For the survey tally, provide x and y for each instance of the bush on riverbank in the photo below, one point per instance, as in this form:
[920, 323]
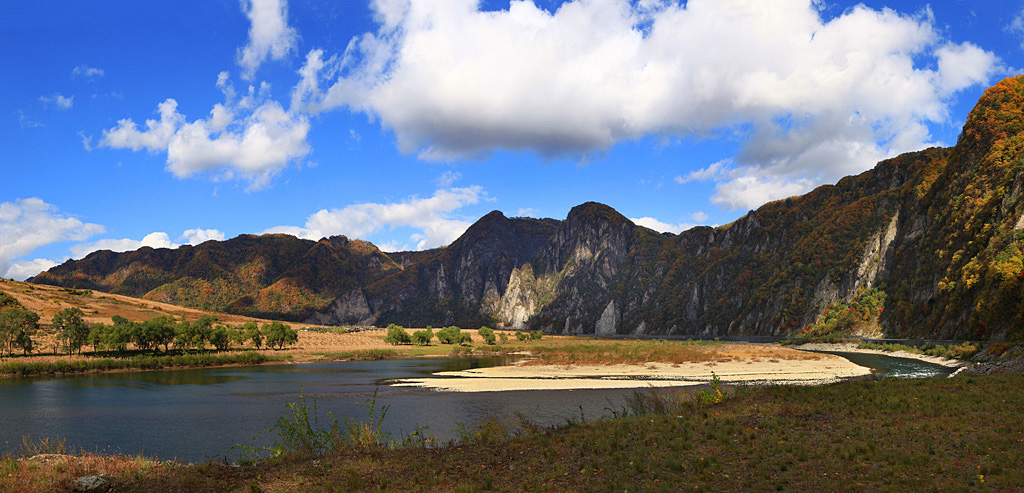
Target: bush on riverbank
[140, 362]
[952, 351]
[397, 335]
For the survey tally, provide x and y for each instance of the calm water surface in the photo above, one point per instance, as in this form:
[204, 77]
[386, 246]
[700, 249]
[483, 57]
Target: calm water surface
[193, 415]
[197, 414]
[892, 366]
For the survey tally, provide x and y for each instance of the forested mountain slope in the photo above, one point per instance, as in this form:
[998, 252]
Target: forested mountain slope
[932, 241]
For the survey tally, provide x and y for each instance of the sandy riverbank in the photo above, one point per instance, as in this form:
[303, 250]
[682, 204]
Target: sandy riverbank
[852, 348]
[823, 370]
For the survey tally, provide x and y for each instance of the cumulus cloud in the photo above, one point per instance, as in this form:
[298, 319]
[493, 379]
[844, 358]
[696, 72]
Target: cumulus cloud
[661, 227]
[750, 192]
[158, 239]
[27, 224]
[154, 240]
[197, 236]
[155, 137]
[24, 269]
[251, 137]
[432, 217]
[58, 100]
[87, 72]
[269, 34]
[812, 98]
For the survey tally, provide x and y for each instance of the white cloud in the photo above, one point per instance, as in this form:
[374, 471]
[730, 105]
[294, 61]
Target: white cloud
[87, 72]
[24, 269]
[713, 171]
[269, 34]
[393, 246]
[962, 66]
[27, 224]
[750, 192]
[431, 217]
[154, 138]
[661, 227]
[699, 216]
[1016, 26]
[26, 122]
[154, 240]
[253, 138]
[86, 141]
[527, 212]
[448, 178]
[453, 81]
[197, 236]
[61, 102]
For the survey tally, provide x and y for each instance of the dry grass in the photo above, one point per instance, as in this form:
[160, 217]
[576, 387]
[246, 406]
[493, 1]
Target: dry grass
[55, 472]
[577, 351]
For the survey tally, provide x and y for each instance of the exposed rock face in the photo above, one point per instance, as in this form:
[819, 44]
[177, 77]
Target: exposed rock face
[939, 230]
[348, 309]
[520, 300]
[609, 320]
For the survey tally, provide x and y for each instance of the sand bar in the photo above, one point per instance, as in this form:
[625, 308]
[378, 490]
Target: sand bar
[826, 369]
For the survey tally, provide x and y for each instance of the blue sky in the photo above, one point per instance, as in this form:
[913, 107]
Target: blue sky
[401, 122]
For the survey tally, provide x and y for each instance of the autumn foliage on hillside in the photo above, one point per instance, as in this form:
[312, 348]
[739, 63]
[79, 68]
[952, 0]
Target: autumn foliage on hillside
[937, 234]
[968, 267]
[276, 275]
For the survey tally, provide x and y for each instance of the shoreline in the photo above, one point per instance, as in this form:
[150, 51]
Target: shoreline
[853, 348]
[519, 376]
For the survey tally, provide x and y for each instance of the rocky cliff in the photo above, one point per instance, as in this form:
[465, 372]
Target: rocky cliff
[940, 232]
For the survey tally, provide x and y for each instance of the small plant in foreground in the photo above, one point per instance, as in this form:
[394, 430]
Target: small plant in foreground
[707, 397]
[46, 445]
[652, 401]
[300, 434]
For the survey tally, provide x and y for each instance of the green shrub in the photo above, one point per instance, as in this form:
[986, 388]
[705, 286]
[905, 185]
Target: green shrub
[536, 335]
[279, 334]
[487, 334]
[522, 336]
[450, 335]
[423, 337]
[397, 335]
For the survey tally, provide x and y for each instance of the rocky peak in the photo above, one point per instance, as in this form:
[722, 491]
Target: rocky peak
[590, 230]
[595, 213]
[338, 240]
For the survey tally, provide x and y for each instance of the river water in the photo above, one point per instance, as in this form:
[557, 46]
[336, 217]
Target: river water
[192, 415]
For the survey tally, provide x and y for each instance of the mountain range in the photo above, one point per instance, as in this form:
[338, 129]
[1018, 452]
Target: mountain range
[939, 233]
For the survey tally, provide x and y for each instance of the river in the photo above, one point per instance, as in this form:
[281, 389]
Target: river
[192, 415]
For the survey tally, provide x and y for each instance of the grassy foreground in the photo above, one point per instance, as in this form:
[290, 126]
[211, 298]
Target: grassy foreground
[896, 435]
